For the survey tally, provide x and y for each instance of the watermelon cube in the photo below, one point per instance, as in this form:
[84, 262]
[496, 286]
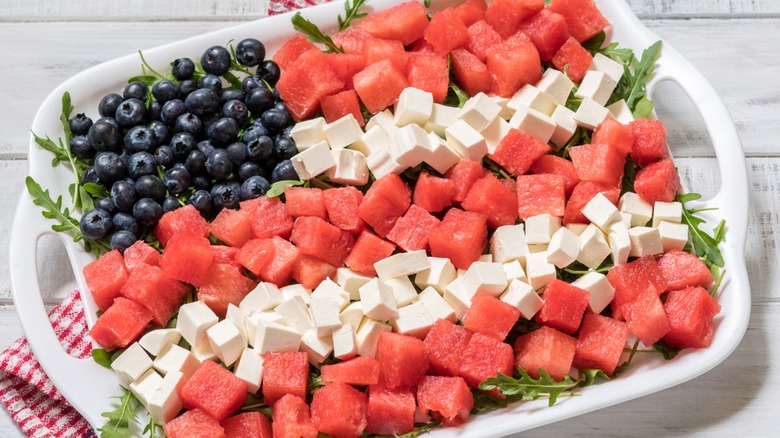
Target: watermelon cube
[447, 398]
[305, 82]
[377, 49]
[291, 418]
[681, 269]
[402, 360]
[285, 373]
[342, 204]
[149, 286]
[512, 64]
[464, 174]
[548, 31]
[351, 40]
[226, 255]
[379, 85]
[310, 271]
[279, 270]
[461, 236]
[232, 227]
[268, 217]
[557, 166]
[572, 58]
[545, 348]
[540, 194]
[446, 32]
[215, 390]
[255, 255]
[470, 73]
[140, 253]
[344, 65]
[186, 219]
[646, 317]
[490, 316]
[341, 104]
[564, 305]
[492, 198]
[360, 370]
[583, 18]
[600, 343]
[506, 15]
[485, 357]
[471, 11]
[317, 238]
[517, 151]
[291, 50]
[390, 411]
[482, 38]
[411, 230]
[690, 313]
[247, 425]
[105, 278]
[445, 344]
[618, 136]
[187, 257]
[304, 201]
[194, 423]
[598, 162]
[405, 22]
[428, 72]
[121, 324]
[224, 284]
[385, 202]
[433, 193]
[632, 278]
[368, 249]
[339, 410]
[658, 182]
[583, 192]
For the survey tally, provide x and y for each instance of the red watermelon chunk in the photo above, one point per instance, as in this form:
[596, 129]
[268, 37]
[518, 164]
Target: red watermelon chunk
[256, 254]
[187, 258]
[225, 254]
[464, 174]
[339, 410]
[280, 270]
[405, 22]
[379, 85]
[518, 150]
[377, 49]
[471, 11]
[304, 201]
[445, 344]
[433, 193]
[368, 249]
[215, 390]
[310, 271]
[224, 284]
[564, 305]
[583, 192]
[482, 38]
[186, 219]
[390, 411]
[582, 17]
[598, 162]
[506, 15]
[411, 230]
[649, 141]
[194, 423]
[247, 425]
[632, 278]
[341, 104]
[646, 317]
[344, 65]
[690, 313]
[386, 200]
[121, 324]
[512, 64]
[402, 360]
[681, 269]
[351, 40]
[428, 72]
[317, 238]
[548, 31]
[492, 198]
[485, 357]
[461, 237]
[140, 253]
[342, 204]
[152, 288]
[618, 136]
[360, 370]
[291, 418]
[470, 73]
[285, 373]
[557, 166]
[305, 82]
[446, 31]
[268, 217]
[490, 316]
[572, 58]
[105, 278]
[540, 194]
[292, 50]
[545, 348]
[232, 227]
[448, 398]
[600, 343]
[658, 182]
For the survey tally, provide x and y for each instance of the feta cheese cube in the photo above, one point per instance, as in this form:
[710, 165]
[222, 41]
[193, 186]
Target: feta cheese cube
[265, 296]
[317, 348]
[523, 297]
[203, 351]
[619, 243]
[514, 271]
[325, 314]
[235, 315]
[442, 156]
[193, 321]
[564, 248]
[307, 133]
[640, 211]
[367, 336]
[414, 106]
[577, 228]
[482, 277]
[601, 291]
[487, 258]
[556, 85]
[402, 264]
[596, 85]
[531, 97]
[612, 68]
[176, 359]
[329, 288]
[436, 306]
[533, 123]
[438, 276]
[313, 161]
[409, 145]
[479, 111]
[344, 342]
[403, 290]
[145, 386]
[413, 320]
[673, 236]
[508, 243]
[371, 141]
[539, 229]
[252, 320]
[645, 241]
[621, 112]
[593, 247]
[590, 113]
[378, 301]
[342, 132]
[506, 112]
[132, 363]
[442, 116]
[667, 212]
[351, 281]
[456, 296]
[626, 219]
[466, 140]
[226, 341]
[351, 167]
[271, 336]
[165, 403]
[539, 247]
[295, 290]
[249, 368]
[383, 119]
[539, 270]
[601, 212]
[295, 313]
[353, 314]
[381, 163]
[565, 125]
[495, 132]
[156, 340]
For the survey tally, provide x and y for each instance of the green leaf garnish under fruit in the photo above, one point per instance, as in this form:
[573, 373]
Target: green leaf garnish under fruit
[118, 425]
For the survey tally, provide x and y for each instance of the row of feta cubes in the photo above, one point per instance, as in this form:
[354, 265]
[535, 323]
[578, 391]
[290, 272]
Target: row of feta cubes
[419, 130]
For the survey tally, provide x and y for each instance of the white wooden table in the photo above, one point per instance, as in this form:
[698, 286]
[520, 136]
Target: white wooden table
[735, 43]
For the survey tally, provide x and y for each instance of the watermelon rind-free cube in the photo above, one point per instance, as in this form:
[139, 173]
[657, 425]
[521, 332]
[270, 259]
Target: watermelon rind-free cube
[402, 360]
[105, 278]
[632, 278]
[224, 284]
[344, 66]
[304, 201]
[339, 410]
[378, 49]
[268, 217]
[598, 162]
[317, 238]
[583, 18]
[183, 219]
[121, 324]
[256, 254]
[151, 287]
[187, 258]
[379, 85]
[618, 136]
[518, 150]
[232, 227]
[545, 348]
[194, 423]
[600, 343]
[484, 357]
[658, 182]
[351, 39]
[513, 64]
[540, 194]
[464, 174]
[444, 344]
[342, 204]
[341, 104]
[291, 418]
[582, 193]
[279, 270]
[494, 199]
[284, 373]
[572, 58]
[482, 38]
[384, 202]
[646, 317]
[557, 166]
[405, 22]
[140, 253]
[215, 390]
[690, 312]
[411, 230]
[490, 316]
[461, 237]
[367, 250]
[433, 193]
[291, 50]
[681, 269]
[471, 11]
[548, 31]
[390, 411]
[447, 398]
[428, 72]
[360, 370]
[470, 73]
[305, 82]
[247, 425]
[564, 306]
[506, 15]
[310, 271]
[446, 32]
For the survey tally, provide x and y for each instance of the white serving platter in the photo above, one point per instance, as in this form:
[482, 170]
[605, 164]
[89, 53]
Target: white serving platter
[89, 386]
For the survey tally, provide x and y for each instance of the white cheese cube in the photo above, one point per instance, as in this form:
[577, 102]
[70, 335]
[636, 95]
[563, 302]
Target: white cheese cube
[442, 116]
[506, 112]
[403, 290]
[383, 119]
[619, 243]
[409, 145]
[442, 156]
[351, 281]
[367, 336]
[226, 341]
[590, 113]
[237, 316]
[523, 297]
[351, 167]
[640, 211]
[371, 141]
[577, 228]
[673, 236]
[176, 359]
[313, 161]
[514, 271]
[249, 368]
[325, 314]
[165, 404]
[601, 291]
[626, 218]
[495, 132]
[621, 112]
[253, 318]
[565, 125]
[295, 313]
[295, 290]
[508, 243]
[203, 352]
[156, 340]
[533, 123]
[531, 97]
[487, 258]
[317, 348]
[556, 85]
[564, 248]
[601, 212]
[413, 106]
[402, 264]
[596, 85]
[145, 386]
[482, 277]
[645, 241]
[413, 320]
[344, 342]
[438, 276]
[539, 270]
[132, 363]
[479, 111]
[436, 306]
[329, 288]
[593, 247]
[378, 301]
[539, 229]
[307, 133]
[456, 296]
[667, 212]
[353, 314]
[193, 320]
[381, 163]
[271, 336]
[612, 68]
[466, 140]
[265, 296]
[342, 132]
[539, 247]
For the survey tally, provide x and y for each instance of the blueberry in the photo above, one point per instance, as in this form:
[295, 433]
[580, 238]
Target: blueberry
[163, 156]
[182, 143]
[140, 164]
[223, 132]
[80, 147]
[140, 139]
[212, 82]
[109, 167]
[105, 204]
[249, 83]
[259, 99]
[281, 107]
[236, 110]
[95, 224]
[110, 120]
[284, 171]
[248, 170]
[165, 90]
[250, 52]
[170, 204]
[237, 152]
[284, 148]
[188, 122]
[176, 180]
[104, 136]
[274, 120]
[206, 147]
[155, 110]
[269, 71]
[79, 124]
[89, 175]
[123, 195]
[131, 112]
[187, 87]
[150, 186]
[182, 68]
[135, 90]
[253, 132]
[226, 194]
[229, 94]
[202, 101]
[218, 164]
[162, 134]
[124, 221]
[215, 60]
[201, 181]
[260, 149]
[109, 103]
[147, 212]
[195, 162]
[121, 240]
[254, 187]
[209, 119]
[201, 200]
[171, 110]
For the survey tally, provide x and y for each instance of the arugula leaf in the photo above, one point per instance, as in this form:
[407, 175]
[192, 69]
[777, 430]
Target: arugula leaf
[419, 429]
[353, 13]
[620, 369]
[313, 33]
[639, 74]
[588, 376]
[101, 357]
[96, 190]
[667, 351]
[629, 176]
[643, 108]
[118, 425]
[67, 110]
[462, 96]
[315, 382]
[623, 55]
[704, 245]
[528, 388]
[277, 188]
[153, 429]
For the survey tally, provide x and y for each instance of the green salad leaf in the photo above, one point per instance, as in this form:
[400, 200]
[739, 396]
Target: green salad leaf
[277, 188]
[101, 357]
[704, 245]
[528, 388]
[352, 13]
[313, 33]
[118, 425]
